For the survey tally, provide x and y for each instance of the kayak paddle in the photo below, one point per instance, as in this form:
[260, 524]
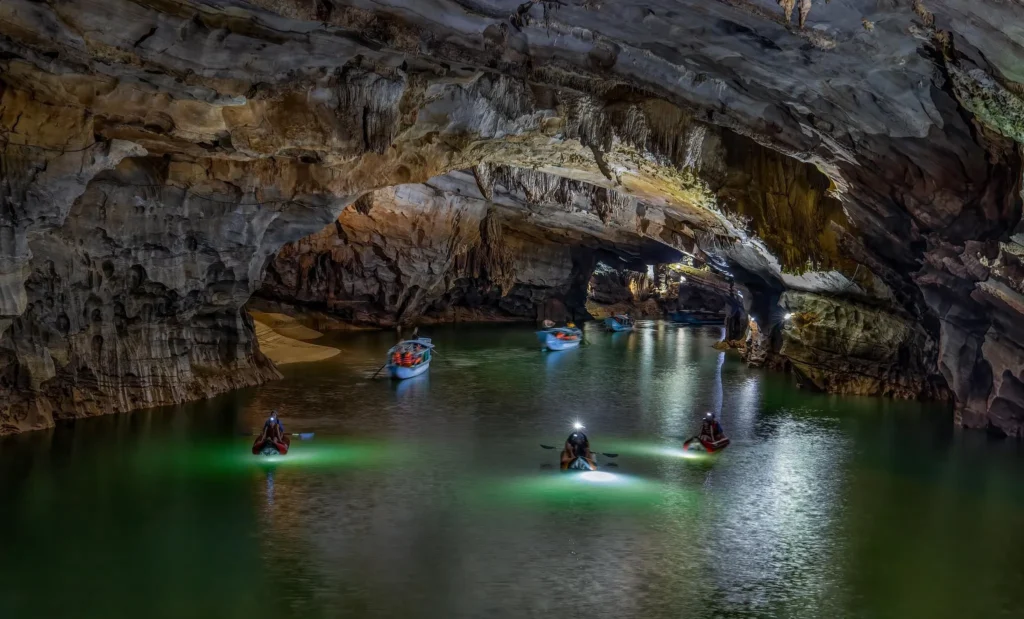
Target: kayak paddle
[302, 436]
[606, 455]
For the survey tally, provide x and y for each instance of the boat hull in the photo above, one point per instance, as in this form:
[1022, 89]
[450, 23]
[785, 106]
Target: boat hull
[553, 343]
[700, 444]
[686, 318]
[579, 464]
[271, 448]
[402, 372]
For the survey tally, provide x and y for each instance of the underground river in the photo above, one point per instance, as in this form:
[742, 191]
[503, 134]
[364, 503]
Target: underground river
[433, 497]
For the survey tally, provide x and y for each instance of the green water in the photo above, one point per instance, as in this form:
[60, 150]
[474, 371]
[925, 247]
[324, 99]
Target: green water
[433, 498]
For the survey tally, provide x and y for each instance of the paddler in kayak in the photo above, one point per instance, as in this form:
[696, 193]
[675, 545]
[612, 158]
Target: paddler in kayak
[275, 421]
[710, 430]
[576, 454]
[273, 434]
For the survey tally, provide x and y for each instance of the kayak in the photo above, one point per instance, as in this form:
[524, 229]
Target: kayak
[580, 464]
[619, 323]
[409, 358]
[560, 338]
[271, 448]
[700, 444]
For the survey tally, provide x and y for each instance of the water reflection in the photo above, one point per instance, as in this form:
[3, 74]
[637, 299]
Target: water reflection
[424, 498]
[413, 387]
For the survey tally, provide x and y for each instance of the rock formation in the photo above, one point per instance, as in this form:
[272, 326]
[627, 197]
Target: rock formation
[156, 156]
[612, 291]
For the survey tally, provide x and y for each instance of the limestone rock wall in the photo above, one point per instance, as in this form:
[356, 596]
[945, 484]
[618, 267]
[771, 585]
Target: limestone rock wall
[416, 254]
[135, 299]
[850, 348]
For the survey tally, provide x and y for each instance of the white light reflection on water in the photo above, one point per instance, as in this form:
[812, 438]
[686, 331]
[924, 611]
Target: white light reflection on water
[775, 520]
[600, 477]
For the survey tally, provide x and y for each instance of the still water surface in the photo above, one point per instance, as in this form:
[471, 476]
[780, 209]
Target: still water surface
[433, 497]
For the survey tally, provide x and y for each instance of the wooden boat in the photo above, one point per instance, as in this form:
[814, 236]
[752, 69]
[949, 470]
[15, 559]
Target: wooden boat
[560, 338]
[619, 323]
[409, 358]
[698, 443]
[697, 319]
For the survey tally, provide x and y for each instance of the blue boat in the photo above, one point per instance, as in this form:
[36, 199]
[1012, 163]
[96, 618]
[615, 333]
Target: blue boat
[409, 358]
[560, 338]
[619, 323]
[697, 319]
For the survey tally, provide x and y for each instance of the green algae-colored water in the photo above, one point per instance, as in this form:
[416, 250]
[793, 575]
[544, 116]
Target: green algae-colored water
[433, 497]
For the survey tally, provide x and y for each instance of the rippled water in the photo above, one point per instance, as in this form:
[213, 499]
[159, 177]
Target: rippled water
[433, 497]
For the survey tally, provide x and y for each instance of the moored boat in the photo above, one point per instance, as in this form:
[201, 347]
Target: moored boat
[619, 323]
[560, 338]
[409, 358]
[697, 319]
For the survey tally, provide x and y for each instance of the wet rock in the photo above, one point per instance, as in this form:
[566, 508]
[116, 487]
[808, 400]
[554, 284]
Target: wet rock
[419, 254]
[843, 347]
[614, 291]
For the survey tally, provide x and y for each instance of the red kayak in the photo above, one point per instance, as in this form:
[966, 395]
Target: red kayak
[270, 447]
[701, 444]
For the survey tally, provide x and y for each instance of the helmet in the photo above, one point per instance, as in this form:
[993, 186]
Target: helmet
[577, 438]
[710, 415]
[579, 443]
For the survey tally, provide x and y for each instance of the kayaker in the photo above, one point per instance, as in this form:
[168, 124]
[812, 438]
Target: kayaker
[273, 429]
[274, 420]
[577, 446]
[710, 429]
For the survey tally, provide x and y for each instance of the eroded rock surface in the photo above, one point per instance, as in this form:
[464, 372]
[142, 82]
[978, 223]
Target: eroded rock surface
[851, 348]
[417, 251]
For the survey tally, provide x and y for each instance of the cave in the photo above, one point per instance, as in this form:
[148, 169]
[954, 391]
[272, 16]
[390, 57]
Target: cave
[210, 208]
[858, 171]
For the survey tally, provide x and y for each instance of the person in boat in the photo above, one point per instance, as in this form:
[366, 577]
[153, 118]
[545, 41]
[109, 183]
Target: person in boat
[710, 429]
[273, 430]
[577, 446]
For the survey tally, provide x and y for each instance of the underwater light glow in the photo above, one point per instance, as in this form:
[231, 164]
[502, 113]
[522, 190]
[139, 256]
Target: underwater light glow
[597, 476]
[678, 452]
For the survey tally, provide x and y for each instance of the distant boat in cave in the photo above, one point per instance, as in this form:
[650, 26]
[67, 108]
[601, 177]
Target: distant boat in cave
[697, 318]
[619, 323]
[409, 358]
[560, 338]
